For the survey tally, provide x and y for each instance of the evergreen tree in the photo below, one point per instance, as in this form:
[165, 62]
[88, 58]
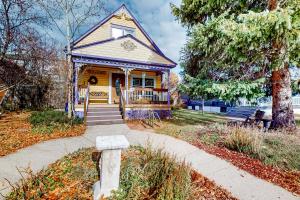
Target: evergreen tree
[242, 41]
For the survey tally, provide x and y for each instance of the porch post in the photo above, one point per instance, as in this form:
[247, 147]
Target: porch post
[110, 88]
[76, 83]
[169, 94]
[126, 85]
[127, 72]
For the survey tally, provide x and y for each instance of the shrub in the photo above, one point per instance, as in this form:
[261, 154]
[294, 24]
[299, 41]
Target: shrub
[242, 140]
[153, 175]
[51, 117]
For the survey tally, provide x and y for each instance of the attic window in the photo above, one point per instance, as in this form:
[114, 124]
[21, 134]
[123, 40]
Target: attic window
[118, 31]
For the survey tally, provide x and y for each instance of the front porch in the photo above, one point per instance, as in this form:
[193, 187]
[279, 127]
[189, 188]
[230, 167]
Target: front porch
[134, 91]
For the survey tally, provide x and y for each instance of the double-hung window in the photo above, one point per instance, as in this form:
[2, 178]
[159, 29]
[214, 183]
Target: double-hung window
[149, 83]
[119, 31]
[138, 82]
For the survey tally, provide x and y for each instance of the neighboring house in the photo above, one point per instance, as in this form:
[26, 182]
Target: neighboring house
[118, 63]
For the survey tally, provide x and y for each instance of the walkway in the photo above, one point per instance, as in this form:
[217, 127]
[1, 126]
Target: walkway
[240, 183]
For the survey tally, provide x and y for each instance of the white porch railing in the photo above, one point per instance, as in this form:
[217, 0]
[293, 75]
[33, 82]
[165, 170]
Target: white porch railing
[148, 96]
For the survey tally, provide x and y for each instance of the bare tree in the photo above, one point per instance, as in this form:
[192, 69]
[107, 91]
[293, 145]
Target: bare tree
[68, 17]
[17, 16]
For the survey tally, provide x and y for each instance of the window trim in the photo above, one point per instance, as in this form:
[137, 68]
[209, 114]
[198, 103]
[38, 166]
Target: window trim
[123, 29]
[143, 82]
[153, 82]
[137, 78]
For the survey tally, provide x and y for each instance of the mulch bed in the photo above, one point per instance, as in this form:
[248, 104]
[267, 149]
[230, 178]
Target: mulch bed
[206, 189]
[286, 179]
[16, 133]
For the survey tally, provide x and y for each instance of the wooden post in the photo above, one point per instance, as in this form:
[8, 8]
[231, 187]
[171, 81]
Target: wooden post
[126, 85]
[169, 94]
[76, 83]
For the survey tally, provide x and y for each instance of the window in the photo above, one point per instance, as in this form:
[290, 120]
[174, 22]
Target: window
[149, 83]
[137, 82]
[117, 31]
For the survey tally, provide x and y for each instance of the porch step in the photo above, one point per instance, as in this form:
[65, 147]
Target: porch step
[102, 117]
[101, 109]
[104, 122]
[102, 113]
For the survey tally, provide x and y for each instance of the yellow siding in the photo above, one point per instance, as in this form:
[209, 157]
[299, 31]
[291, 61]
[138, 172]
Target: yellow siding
[104, 32]
[115, 49]
[158, 82]
[101, 75]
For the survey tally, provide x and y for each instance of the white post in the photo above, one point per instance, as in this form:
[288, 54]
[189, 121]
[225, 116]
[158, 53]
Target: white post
[110, 164]
[110, 89]
[126, 85]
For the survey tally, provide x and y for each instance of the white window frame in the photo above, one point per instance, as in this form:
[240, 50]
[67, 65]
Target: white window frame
[136, 78]
[143, 80]
[123, 28]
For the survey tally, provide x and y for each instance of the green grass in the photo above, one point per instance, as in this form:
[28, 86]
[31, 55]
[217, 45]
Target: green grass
[190, 117]
[281, 151]
[186, 124]
[49, 120]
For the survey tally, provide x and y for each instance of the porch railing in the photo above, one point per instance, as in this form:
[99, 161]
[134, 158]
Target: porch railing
[148, 96]
[86, 102]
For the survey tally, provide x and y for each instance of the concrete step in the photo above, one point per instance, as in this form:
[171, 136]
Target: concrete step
[103, 113]
[103, 117]
[101, 109]
[104, 122]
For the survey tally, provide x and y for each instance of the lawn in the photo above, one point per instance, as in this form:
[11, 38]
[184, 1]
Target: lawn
[273, 156]
[145, 174]
[22, 129]
[185, 124]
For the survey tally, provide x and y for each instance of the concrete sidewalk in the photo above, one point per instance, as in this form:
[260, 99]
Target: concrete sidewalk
[240, 183]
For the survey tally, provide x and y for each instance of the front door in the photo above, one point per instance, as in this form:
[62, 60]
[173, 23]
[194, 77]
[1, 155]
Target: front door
[117, 80]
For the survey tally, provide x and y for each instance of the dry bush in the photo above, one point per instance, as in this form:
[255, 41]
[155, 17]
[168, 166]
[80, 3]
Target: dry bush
[244, 140]
[148, 174]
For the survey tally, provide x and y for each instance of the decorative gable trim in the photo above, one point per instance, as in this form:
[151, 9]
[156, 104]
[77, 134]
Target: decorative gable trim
[100, 60]
[125, 36]
[123, 8]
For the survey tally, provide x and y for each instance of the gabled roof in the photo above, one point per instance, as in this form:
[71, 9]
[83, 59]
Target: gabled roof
[126, 48]
[122, 7]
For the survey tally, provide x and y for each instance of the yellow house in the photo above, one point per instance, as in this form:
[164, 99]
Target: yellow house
[118, 64]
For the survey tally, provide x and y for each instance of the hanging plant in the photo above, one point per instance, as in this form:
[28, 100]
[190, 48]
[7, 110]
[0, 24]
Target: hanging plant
[93, 80]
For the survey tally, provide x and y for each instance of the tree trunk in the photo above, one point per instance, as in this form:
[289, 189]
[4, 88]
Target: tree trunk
[70, 86]
[282, 108]
[282, 103]
[69, 63]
